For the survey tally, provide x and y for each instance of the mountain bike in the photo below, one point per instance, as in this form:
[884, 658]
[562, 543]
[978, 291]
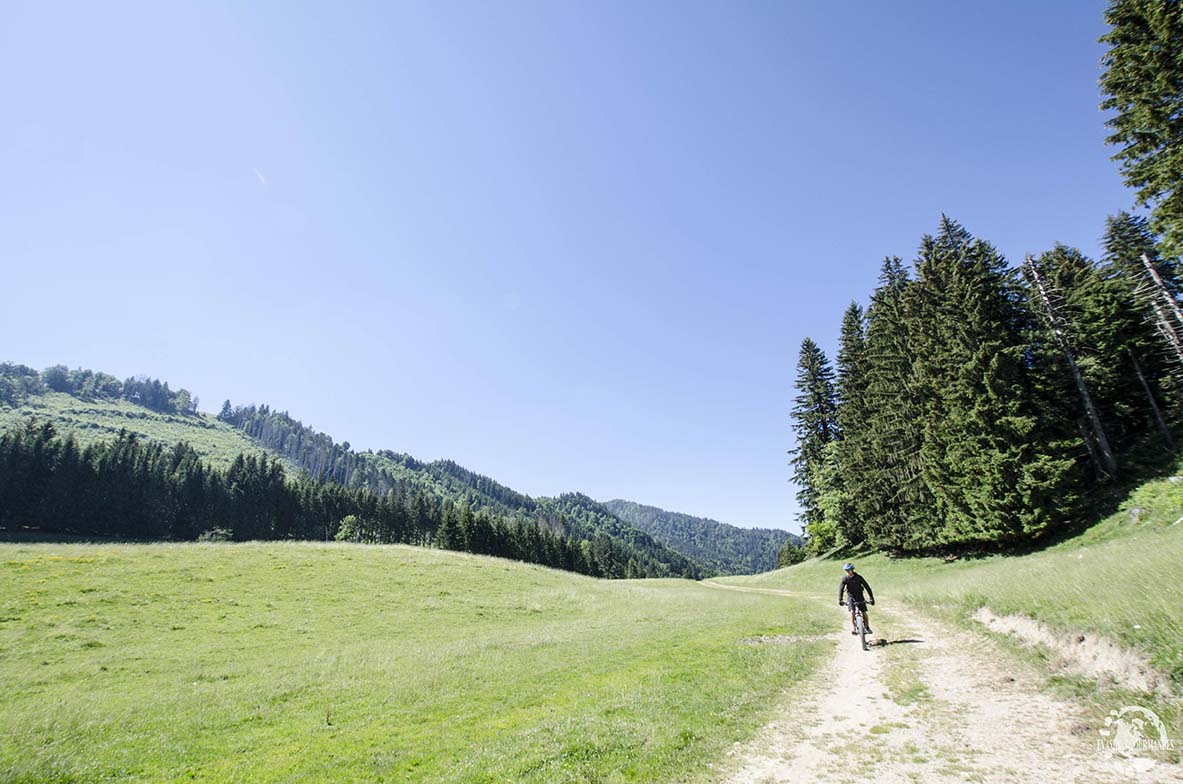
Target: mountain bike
[859, 624]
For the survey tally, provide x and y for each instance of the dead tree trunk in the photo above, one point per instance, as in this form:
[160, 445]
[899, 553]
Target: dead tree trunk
[1086, 436]
[1168, 299]
[1168, 316]
[1163, 323]
[1108, 461]
[1162, 425]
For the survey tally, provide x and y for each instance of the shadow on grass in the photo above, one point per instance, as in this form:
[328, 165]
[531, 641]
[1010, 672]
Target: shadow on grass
[35, 536]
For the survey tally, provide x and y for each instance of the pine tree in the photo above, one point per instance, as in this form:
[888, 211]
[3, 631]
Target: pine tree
[1117, 350]
[1143, 82]
[449, 536]
[814, 426]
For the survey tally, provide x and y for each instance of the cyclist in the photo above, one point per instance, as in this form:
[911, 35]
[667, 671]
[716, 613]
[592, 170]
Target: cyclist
[853, 585]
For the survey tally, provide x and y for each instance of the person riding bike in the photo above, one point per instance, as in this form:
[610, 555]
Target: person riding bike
[853, 585]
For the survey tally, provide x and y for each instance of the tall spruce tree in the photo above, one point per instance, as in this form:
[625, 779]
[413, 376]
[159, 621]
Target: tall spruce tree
[1143, 83]
[1127, 239]
[845, 465]
[998, 470]
[892, 500]
[814, 425]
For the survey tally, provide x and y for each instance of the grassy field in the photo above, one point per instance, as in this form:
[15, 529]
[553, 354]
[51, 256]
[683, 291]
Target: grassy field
[101, 420]
[335, 662]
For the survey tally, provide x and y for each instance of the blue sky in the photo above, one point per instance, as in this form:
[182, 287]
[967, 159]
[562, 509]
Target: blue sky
[573, 246]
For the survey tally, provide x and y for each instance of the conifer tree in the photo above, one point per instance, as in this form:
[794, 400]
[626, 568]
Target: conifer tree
[1118, 352]
[1071, 272]
[1152, 345]
[997, 470]
[1143, 82]
[845, 466]
[814, 426]
[892, 499]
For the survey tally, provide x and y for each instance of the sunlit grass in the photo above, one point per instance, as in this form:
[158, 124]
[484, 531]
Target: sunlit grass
[101, 420]
[312, 662]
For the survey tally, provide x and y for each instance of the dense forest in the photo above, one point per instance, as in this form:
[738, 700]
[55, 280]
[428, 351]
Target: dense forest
[127, 488]
[726, 549]
[973, 403]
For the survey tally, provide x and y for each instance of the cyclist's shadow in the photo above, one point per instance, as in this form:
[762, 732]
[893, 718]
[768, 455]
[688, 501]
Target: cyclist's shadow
[879, 643]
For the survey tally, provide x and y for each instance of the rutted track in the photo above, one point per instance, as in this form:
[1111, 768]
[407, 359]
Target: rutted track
[930, 703]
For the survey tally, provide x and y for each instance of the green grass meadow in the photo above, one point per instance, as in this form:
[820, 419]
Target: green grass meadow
[304, 662]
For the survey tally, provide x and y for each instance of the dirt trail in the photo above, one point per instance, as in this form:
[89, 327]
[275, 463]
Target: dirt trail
[933, 703]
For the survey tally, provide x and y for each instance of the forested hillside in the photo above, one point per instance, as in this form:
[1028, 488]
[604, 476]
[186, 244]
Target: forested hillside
[975, 403]
[167, 471]
[726, 549]
[325, 459]
[574, 514]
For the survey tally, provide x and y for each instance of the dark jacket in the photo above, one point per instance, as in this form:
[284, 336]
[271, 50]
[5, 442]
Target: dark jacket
[853, 585]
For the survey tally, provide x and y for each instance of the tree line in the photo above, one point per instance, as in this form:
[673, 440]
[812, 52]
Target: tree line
[20, 382]
[973, 403]
[325, 459]
[131, 488]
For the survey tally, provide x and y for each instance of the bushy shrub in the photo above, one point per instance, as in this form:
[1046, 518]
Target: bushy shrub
[216, 535]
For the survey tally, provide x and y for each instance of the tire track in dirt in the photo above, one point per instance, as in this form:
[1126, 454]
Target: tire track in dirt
[932, 703]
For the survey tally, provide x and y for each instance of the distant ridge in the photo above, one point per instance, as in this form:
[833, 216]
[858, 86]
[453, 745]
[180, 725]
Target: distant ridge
[723, 548]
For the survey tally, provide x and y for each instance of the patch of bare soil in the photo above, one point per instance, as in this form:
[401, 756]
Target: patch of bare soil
[1082, 653]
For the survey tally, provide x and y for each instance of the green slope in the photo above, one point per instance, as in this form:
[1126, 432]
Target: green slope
[301, 662]
[726, 549]
[95, 420]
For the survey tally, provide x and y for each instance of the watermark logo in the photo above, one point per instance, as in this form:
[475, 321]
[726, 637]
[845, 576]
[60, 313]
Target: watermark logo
[1132, 729]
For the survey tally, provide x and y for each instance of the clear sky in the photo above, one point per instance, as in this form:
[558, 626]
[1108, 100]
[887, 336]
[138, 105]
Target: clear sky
[570, 245]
